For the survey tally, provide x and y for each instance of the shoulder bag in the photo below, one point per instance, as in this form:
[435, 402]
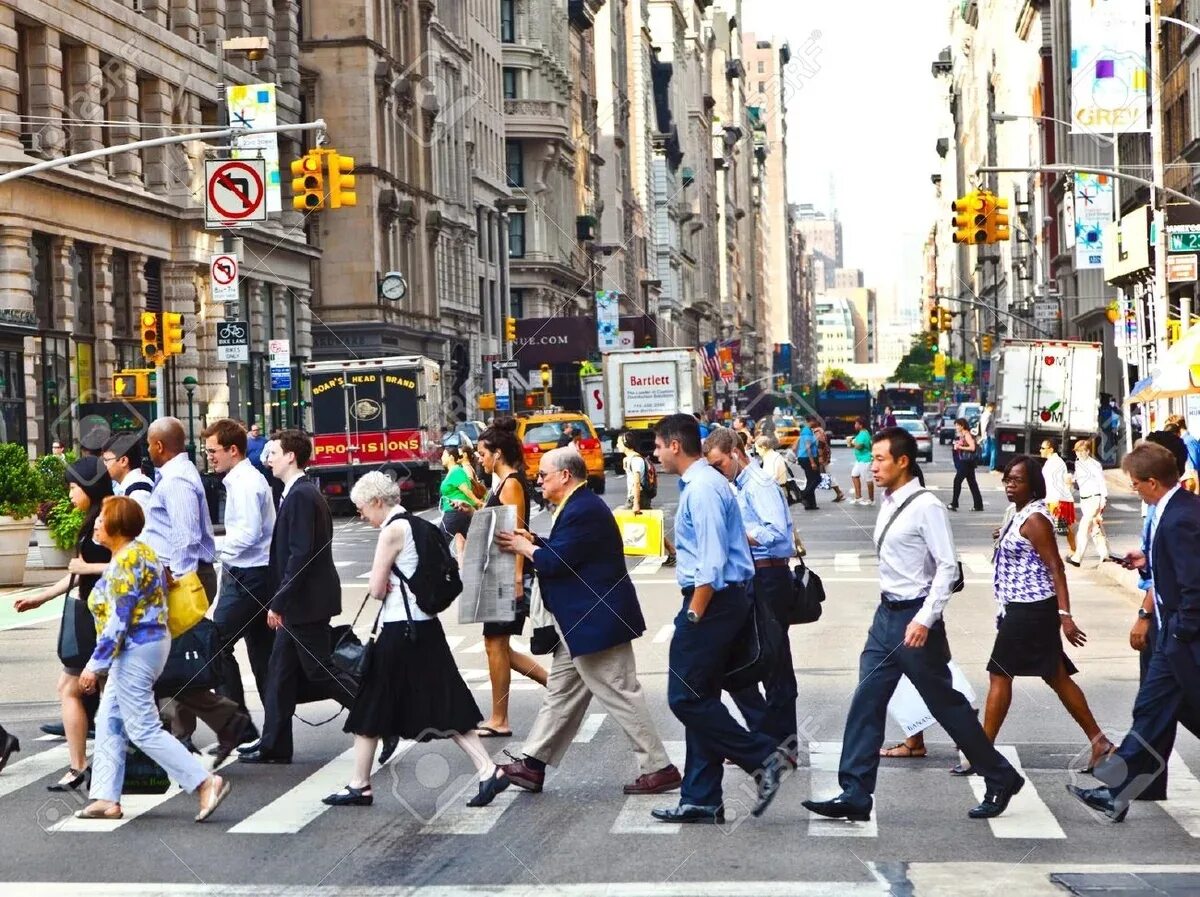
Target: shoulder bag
[350, 655]
[77, 630]
[808, 594]
[960, 581]
[193, 661]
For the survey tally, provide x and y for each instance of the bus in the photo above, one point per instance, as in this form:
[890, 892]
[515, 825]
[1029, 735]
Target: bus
[901, 397]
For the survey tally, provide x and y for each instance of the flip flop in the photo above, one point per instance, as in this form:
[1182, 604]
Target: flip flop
[206, 811]
[107, 813]
[489, 732]
[902, 751]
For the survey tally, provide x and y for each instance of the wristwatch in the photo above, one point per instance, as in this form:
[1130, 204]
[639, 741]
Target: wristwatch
[1144, 614]
[692, 616]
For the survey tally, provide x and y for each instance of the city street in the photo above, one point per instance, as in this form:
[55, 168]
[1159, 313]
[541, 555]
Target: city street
[582, 832]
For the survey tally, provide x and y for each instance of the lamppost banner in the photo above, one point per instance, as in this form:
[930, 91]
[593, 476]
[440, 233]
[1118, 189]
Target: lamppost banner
[1108, 66]
[1093, 209]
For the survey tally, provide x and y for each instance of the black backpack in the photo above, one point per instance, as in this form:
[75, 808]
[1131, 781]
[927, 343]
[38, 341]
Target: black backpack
[435, 582]
[649, 479]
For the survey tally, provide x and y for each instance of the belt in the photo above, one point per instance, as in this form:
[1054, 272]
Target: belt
[770, 562]
[1086, 497]
[901, 605]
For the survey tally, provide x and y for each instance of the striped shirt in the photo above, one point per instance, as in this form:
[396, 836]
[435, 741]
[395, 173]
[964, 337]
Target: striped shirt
[178, 527]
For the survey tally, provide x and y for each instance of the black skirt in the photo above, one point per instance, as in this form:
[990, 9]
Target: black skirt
[412, 687]
[1029, 642]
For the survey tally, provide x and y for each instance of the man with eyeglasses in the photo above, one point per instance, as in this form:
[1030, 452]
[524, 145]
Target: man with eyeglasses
[123, 461]
[245, 555]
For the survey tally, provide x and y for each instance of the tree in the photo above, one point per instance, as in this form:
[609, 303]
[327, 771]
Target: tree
[831, 374]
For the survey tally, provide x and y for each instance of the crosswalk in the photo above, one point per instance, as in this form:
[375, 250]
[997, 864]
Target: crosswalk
[840, 563]
[426, 787]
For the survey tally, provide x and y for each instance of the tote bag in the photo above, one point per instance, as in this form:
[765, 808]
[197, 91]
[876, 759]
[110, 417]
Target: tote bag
[187, 603]
[76, 632]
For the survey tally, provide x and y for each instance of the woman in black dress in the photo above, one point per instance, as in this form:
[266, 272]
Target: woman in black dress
[89, 485]
[502, 457]
[412, 687]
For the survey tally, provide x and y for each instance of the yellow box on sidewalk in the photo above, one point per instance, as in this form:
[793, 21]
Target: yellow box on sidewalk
[642, 534]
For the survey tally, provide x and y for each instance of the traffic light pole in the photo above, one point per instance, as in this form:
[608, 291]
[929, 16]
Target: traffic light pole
[160, 390]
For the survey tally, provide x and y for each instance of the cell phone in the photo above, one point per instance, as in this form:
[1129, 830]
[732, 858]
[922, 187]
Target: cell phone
[1117, 558]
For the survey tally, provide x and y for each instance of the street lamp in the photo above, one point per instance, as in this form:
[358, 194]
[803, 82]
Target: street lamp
[1001, 118]
[189, 384]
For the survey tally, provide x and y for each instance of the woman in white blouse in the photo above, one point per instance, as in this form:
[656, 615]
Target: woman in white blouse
[1093, 496]
[1060, 500]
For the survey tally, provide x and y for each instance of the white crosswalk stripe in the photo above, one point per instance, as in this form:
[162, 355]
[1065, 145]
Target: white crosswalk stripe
[20, 773]
[591, 725]
[976, 563]
[847, 562]
[634, 817]
[1027, 815]
[664, 633]
[823, 757]
[1184, 803]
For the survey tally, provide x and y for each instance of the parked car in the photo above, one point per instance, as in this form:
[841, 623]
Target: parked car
[921, 434]
[970, 410]
[540, 433]
[933, 420]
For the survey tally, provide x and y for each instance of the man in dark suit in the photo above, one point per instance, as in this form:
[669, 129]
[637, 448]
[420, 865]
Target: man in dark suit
[1171, 687]
[581, 571]
[307, 594]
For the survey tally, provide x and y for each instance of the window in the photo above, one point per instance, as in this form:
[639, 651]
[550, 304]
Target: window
[510, 84]
[516, 303]
[24, 107]
[762, 86]
[153, 274]
[508, 21]
[121, 298]
[43, 286]
[56, 391]
[516, 235]
[81, 283]
[514, 167]
[762, 67]
[12, 397]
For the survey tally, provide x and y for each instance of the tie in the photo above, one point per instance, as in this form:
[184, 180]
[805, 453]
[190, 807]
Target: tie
[1147, 542]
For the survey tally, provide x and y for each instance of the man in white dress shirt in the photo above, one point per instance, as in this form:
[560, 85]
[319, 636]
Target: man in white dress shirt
[918, 568]
[123, 461]
[245, 591]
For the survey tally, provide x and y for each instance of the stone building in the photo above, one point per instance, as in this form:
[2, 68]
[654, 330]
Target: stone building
[85, 248]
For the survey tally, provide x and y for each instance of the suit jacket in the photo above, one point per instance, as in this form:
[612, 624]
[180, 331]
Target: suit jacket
[1176, 569]
[581, 569]
[306, 584]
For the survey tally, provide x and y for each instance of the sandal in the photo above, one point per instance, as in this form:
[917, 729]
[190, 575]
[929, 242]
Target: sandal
[71, 780]
[207, 809]
[489, 732]
[902, 751]
[1100, 758]
[92, 811]
[350, 797]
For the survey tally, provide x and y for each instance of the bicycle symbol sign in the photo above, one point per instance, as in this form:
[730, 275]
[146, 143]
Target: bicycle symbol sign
[233, 341]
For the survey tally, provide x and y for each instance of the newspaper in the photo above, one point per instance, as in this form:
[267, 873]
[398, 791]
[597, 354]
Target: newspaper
[488, 574]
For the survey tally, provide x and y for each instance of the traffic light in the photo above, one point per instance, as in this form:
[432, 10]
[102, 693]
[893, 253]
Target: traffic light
[510, 330]
[986, 341]
[341, 180]
[545, 372]
[935, 319]
[946, 322]
[997, 222]
[151, 341]
[172, 334]
[308, 183]
[132, 384]
[969, 221]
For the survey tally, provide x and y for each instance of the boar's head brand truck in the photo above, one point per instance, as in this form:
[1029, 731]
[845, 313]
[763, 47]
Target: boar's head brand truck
[1045, 389]
[642, 386]
[376, 414]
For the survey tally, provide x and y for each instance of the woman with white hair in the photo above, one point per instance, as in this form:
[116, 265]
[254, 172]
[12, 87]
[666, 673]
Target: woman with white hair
[412, 688]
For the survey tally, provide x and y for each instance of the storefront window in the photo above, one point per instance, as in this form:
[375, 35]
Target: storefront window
[12, 397]
[55, 378]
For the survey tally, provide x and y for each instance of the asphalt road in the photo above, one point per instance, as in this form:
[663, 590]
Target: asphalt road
[582, 836]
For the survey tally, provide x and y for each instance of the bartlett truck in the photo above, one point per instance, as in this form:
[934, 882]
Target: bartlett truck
[1045, 389]
[376, 414]
[642, 386]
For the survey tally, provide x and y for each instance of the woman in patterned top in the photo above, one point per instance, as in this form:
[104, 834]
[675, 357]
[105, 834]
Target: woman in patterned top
[130, 606]
[1031, 589]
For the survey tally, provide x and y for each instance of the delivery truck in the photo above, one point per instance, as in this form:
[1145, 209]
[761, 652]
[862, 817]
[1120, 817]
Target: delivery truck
[1045, 389]
[376, 414]
[642, 386]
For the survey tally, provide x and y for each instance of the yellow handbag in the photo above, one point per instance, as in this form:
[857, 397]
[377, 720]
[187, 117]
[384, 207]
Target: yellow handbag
[187, 603]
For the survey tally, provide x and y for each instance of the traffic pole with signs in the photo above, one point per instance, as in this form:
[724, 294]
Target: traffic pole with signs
[234, 193]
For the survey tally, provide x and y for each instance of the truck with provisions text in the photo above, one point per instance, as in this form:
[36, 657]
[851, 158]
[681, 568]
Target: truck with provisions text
[1045, 389]
[376, 414]
[642, 386]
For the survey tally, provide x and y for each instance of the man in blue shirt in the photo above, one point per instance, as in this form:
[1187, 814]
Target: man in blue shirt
[713, 570]
[768, 525]
[808, 454]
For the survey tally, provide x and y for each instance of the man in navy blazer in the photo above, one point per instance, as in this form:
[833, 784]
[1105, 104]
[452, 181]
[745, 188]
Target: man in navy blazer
[1171, 686]
[580, 568]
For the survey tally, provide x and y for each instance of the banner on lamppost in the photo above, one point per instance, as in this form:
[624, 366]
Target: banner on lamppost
[1093, 208]
[608, 315]
[1108, 66]
[253, 106]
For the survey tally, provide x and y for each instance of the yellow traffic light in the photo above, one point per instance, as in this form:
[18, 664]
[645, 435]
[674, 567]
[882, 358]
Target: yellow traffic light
[935, 319]
[969, 221]
[132, 384]
[545, 372]
[308, 183]
[946, 321]
[986, 340]
[151, 341]
[510, 330]
[172, 333]
[341, 180]
[997, 222]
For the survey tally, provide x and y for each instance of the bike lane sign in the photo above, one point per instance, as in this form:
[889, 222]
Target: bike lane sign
[233, 341]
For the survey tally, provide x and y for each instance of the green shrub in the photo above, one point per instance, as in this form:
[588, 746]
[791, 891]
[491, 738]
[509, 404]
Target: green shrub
[65, 521]
[20, 484]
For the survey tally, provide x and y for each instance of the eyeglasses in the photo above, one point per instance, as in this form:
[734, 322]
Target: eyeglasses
[109, 459]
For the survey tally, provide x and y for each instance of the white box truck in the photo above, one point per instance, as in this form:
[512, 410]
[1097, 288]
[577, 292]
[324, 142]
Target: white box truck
[642, 386]
[1046, 389]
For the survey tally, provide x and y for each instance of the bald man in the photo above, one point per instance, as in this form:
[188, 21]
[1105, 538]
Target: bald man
[179, 530]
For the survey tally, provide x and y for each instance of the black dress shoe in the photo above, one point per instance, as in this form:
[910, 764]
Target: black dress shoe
[57, 729]
[769, 781]
[72, 780]
[1072, 562]
[1102, 800]
[350, 797]
[249, 748]
[691, 814]
[8, 747]
[257, 756]
[839, 808]
[996, 802]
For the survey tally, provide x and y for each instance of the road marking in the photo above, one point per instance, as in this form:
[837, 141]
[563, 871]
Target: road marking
[635, 818]
[50, 738]
[876, 888]
[294, 809]
[1121, 506]
[591, 725]
[1027, 816]
[366, 575]
[459, 819]
[847, 561]
[342, 563]
[1184, 805]
[453, 641]
[823, 757]
[648, 566]
[664, 633]
[20, 773]
[976, 562]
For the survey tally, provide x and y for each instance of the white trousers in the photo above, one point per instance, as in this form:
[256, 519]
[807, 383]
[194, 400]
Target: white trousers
[1090, 527]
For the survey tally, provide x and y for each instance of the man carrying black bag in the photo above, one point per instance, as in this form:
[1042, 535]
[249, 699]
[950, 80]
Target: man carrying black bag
[768, 525]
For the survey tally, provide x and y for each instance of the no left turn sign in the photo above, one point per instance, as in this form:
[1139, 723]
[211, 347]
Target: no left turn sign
[234, 194]
[223, 276]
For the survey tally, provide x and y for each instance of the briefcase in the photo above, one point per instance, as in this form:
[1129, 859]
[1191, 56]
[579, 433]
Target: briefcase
[194, 661]
[755, 650]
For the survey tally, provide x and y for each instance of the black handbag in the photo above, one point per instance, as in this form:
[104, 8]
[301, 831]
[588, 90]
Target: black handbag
[143, 775]
[755, 649]
[76, 632]
[808, 593]
[350, 655]
[194, 661]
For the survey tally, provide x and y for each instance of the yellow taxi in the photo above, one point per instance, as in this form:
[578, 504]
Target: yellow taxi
[787, 432]
[539, 433]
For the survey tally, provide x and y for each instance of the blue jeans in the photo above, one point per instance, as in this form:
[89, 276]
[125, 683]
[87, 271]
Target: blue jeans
[128, 713]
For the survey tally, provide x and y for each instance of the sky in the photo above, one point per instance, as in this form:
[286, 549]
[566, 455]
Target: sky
[864, 113]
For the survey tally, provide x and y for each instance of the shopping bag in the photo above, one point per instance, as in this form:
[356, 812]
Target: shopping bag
[143, 775]
[642, 533]
[545, 636]
[187, 603]
[908, 709]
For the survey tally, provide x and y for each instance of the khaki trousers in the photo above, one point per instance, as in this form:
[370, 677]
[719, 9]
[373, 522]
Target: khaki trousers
[610, 676]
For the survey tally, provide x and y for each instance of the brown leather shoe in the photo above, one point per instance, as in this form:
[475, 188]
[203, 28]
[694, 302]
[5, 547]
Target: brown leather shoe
[524, 777]
[666, 779]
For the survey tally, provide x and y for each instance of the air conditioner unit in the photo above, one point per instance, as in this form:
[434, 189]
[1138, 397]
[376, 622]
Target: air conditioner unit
[33, 144]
